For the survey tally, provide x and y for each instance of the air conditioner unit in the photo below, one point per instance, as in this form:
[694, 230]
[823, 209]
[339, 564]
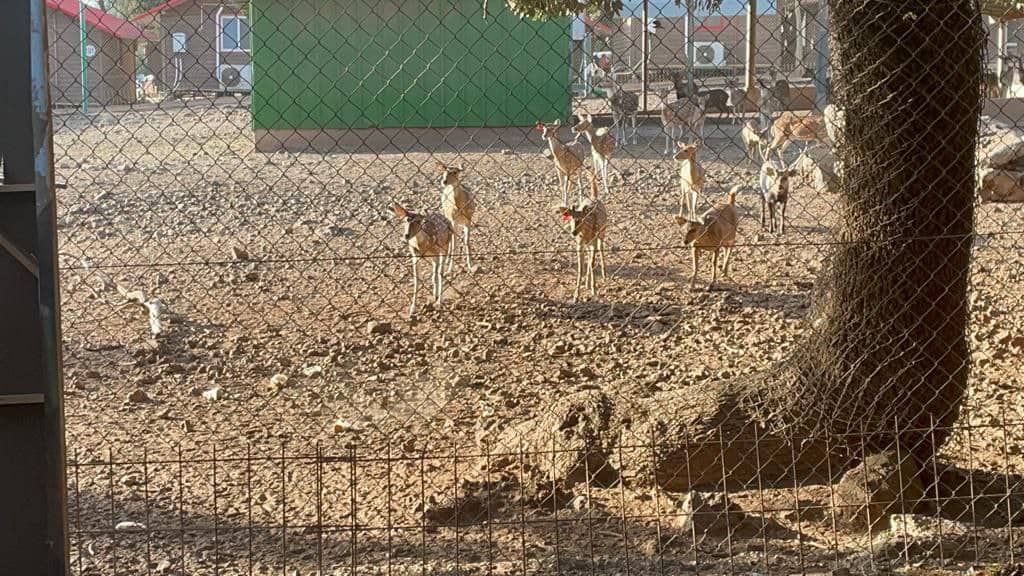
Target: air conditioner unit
[708, 55]
[235, 77]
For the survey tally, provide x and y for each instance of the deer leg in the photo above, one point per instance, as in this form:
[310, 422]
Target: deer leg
[439, 273]
[782, 218]
[763, 210]
[604, 174]
[591, 256]
[451, 250]
[693, 261]
[469, 255]
[728, 257]
[634, 127]
[579, 272]
[563, 181]
[600, 255]
[714, 269]
[415, 286]
[579, 185]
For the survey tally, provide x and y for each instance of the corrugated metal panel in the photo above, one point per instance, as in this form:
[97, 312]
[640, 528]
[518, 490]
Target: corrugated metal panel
[406, 63]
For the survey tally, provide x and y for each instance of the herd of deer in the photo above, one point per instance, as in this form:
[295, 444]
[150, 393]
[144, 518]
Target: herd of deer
[433, 236]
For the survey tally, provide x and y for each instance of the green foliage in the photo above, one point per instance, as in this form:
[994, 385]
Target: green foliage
[543, 9]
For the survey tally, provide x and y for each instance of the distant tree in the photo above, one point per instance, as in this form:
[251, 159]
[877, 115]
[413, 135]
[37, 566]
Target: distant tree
[126, 8]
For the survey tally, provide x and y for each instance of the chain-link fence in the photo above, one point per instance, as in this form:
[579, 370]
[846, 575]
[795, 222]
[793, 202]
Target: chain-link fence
[729, 289]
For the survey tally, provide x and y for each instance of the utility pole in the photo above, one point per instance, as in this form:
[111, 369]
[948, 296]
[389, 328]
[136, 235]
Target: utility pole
[751, 45]
[821, 64]
[690, 53]
[644, 54]
[84, 60]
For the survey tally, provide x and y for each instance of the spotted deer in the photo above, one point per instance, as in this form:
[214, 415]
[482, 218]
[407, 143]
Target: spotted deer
[751, 135]
[624, 105]
[792, 127]
[567, 163]
[775, 188]
[588, 222]
[715, 231]
[458, 205]
[602, 145]
[691, 178]
[428, 236]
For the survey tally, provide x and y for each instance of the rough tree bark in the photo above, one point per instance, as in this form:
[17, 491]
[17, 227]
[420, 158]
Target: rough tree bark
[887, 347]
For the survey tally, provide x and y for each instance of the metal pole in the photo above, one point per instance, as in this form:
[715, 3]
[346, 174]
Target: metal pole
[33, 490]
[48, 294]
[82, 42]
[821, 65]
[644, 55]
[1000, 53]
[690, 53]
[751, 45]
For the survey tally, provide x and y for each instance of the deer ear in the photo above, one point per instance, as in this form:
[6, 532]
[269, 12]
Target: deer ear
[399, 210]
[557, 122]
[441, 167]
[791, 173]
[538, 125]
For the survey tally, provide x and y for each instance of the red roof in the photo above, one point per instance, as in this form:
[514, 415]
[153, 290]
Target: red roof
[98, 19]
[158, 9]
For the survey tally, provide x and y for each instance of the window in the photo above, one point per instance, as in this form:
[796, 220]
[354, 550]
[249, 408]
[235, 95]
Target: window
[234, 33]
[178, 42]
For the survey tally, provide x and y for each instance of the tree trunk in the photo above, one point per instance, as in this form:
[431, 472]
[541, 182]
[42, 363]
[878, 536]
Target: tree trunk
[886, 357]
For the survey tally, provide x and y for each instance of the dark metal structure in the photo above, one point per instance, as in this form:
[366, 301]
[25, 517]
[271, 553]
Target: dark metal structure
[33, 529]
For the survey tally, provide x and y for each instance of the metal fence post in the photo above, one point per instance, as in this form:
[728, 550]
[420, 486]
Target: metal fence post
[33, 537]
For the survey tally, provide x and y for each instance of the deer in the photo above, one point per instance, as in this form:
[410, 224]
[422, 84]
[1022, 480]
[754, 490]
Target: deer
[775, 188]
[673, 116]
[691, 178]
[792, 127]
[458, 205]
[714, 232]
[567, 163]
[428, 236]
[678, 114]
[751, 135]
[602, 144]
[624, 105]
[588, 222]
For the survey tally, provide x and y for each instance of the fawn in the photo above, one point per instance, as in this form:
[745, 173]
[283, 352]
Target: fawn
[429, 236]
[775, 183]
[566, 161]
[458, 205]
[751, 135]
[791, 127]
[714, 232]
[588, 221]
[602, 145]
[691, 178]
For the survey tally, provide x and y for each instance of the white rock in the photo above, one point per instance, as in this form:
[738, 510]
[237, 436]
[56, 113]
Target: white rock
[128, 525]
[312, 370]
[214, 394]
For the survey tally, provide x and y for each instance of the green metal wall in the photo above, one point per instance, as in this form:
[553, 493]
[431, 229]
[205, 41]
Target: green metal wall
[404, 63]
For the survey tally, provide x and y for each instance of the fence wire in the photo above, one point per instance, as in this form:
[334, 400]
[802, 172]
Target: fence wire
[415, 287]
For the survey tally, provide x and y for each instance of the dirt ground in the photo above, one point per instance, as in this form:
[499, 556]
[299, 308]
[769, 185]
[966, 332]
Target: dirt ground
[274, 266]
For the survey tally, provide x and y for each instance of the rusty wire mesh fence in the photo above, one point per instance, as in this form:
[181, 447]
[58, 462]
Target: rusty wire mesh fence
[253, 388]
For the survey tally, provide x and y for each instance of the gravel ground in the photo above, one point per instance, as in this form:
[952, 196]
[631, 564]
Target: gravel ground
[285, 282]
